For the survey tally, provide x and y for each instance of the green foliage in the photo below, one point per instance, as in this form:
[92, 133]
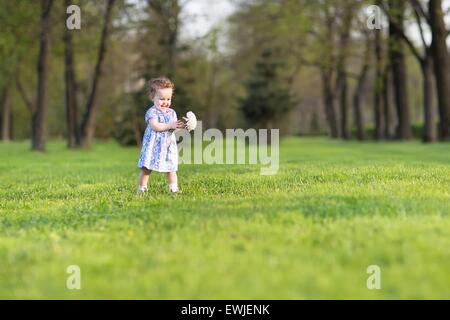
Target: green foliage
[267, 100]
[17, 36]
[309, 232]
[129, 122]
[222, 76]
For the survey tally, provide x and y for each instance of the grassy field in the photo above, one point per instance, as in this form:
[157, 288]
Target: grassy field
[309, 232]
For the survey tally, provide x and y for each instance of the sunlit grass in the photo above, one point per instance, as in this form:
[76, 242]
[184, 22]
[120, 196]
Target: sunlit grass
[310, 231]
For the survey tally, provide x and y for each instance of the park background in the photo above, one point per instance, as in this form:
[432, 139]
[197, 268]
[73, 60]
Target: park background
[364, 115]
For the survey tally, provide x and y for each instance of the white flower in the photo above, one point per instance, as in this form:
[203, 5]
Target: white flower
[191, 121]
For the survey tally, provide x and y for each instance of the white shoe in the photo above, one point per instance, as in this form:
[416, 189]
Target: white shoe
[174, 190]
[142, 190]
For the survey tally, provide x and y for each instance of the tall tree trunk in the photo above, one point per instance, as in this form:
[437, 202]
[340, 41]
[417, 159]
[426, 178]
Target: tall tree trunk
[211, 115]
[429, 132]
[328, 96]
[399, 71]
[166, 17]
[441, 65]
[5, 105]
[386, 97]
[358, 98]
[342, 86]
[379, 123]
[39, 117]
[88, 123]
[327, 71]
[210, 94]
[425, 62]
[73, 137]
[173, 36]
[343, 102]
[11, 126]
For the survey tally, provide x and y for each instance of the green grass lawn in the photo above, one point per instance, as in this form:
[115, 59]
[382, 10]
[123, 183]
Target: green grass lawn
[308, 232]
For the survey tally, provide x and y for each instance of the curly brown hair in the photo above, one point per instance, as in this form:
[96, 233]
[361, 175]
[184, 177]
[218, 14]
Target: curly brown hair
[159, 83]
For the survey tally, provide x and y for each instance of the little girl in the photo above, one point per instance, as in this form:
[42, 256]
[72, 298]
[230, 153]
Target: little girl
[159, 146]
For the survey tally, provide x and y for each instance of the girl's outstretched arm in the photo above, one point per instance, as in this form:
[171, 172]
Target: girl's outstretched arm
[156, 126]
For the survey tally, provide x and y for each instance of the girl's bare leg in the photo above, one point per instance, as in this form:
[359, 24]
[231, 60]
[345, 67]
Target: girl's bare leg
[172, 179]
[143, 177]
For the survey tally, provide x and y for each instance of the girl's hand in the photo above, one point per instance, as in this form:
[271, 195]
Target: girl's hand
[178, 125]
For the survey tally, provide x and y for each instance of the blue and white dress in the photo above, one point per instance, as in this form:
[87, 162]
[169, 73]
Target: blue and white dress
[159, 149]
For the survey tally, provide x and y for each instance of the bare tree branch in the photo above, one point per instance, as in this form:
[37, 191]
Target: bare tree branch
[403, 35]
[419, 23]
[28, 102]
[418, 6]
[419, 9]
